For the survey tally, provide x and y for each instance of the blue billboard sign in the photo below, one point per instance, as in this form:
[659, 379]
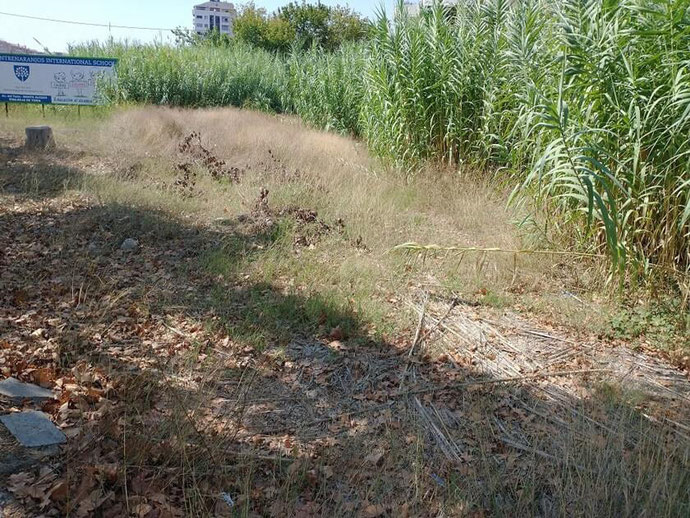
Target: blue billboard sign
[44, 79]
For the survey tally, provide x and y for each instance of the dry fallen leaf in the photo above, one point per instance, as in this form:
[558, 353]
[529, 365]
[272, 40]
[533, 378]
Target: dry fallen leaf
[59, 491]
[374, 457]
[22, 485]
[336, 334]
[19, 480]
[44, 377]
[373, 511]
[142, 510]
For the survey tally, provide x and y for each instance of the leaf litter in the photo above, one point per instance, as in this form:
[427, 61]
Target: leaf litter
[167, 415]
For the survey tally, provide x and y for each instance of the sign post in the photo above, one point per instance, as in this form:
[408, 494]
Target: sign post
[42, 79]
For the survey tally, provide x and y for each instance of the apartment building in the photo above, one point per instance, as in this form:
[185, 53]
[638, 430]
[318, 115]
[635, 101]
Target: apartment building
[214, 15]
[413, 8]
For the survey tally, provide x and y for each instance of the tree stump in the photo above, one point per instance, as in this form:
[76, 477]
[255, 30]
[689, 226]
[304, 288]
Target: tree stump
[39, 138]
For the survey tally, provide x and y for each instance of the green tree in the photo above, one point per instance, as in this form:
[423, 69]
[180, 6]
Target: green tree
[302, 25]
[279, 35]
[346, 25]
[251, 25]
[310, 23]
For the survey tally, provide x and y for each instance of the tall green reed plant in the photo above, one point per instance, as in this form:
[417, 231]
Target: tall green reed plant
[584, 105]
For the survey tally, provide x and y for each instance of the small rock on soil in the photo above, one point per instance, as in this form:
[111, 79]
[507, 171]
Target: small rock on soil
[14, 389]
[33, 429]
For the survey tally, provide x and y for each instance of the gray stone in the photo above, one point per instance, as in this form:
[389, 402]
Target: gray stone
[14, 389]
[129, 245]
[33, 429]
[15, 458]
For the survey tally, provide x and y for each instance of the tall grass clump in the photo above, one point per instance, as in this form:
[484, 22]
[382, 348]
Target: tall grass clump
[584, 104]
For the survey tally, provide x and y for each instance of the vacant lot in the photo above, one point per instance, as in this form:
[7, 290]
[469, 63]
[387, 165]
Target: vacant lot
[215, 298]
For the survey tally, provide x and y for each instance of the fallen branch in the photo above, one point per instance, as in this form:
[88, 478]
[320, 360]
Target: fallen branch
[255, 456]
[529, 449]
[514, 379]
[420, 326]
[415, 341]
[416, 247]
[454, 303]
[454, 386]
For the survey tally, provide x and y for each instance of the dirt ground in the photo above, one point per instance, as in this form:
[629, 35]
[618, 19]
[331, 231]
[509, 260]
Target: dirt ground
[185, 390]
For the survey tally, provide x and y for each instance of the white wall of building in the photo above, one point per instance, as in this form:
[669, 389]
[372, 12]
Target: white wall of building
[430, 3]
[415, 7]
[214, 15]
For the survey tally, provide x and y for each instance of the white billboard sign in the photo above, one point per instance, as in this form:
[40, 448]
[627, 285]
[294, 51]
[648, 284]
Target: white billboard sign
[46, 79]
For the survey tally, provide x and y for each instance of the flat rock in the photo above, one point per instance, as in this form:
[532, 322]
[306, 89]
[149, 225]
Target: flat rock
[15, 458]
[129, 245]
[33, 429]
[14, 389]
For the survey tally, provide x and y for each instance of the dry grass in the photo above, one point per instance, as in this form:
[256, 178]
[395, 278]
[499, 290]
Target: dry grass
[337, 175]
[334, 176]
[324, 172]
[254, 353]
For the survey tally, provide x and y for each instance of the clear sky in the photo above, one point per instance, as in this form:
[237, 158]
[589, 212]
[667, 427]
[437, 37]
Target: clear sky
[148, 13]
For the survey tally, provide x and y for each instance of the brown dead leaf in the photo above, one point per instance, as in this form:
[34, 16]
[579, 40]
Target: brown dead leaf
[159, 498]
[85, 488]
[50, 406]
[115, 512]
[138, 484]
[222, 510]
[336, 334]
[87, 505]
[108, 471]
[19, 484]
[59, 491]
[373, 511]
[375, 457]
[141, 510]
[44, 377]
